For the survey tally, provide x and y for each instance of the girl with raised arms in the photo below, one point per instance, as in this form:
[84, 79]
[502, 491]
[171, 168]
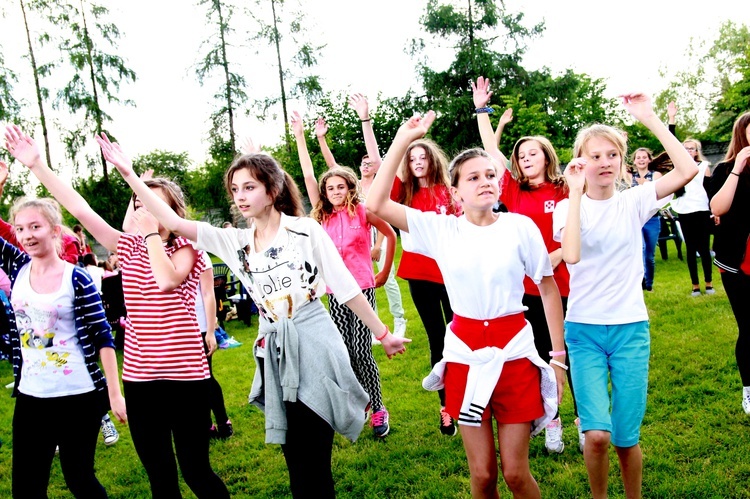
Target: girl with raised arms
[490, 366]
[606, 328]
[166, 395]
[338, 206]
[304, 381]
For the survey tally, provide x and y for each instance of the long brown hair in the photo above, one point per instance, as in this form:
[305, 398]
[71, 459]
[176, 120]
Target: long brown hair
[552, 168]
[278, 183]
[175, 198]
[437, 171]
[324, 209]
[739, 137]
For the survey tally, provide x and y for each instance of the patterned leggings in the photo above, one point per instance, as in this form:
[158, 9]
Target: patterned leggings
[358, 340]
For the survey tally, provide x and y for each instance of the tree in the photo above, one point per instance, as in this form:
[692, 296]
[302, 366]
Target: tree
[231, 93]
[39, 71]
[97, 75]
[490, 42]
[714, 86]
[305, 84]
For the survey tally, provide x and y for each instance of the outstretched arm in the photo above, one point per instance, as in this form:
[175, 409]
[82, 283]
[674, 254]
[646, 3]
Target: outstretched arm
[311, 183]
[321, 130]
[362, 107]
[390, 248]
[639, 105]
[155, 205]
[25, 150]
[505, 118]
[481, 94]
[378, 199]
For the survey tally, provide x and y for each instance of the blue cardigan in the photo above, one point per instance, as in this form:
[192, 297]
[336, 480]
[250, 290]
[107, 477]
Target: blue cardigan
[92, 328]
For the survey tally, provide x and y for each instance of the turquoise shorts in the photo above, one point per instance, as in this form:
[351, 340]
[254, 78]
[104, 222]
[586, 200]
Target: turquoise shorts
[618, 354]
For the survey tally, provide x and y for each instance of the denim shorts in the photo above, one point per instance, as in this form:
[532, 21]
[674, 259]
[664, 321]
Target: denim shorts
[619, 354]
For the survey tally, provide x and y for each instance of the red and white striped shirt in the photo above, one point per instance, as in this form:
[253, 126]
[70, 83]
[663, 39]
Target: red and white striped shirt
[162, 339]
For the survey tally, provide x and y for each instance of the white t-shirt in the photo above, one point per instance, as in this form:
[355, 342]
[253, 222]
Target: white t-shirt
[290, 272]
[200, 307]
[483, 267]
[53, 361]
[605, 285]
[695, 198]
[96, 273]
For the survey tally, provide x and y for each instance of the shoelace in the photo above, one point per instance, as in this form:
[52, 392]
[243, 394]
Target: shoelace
[378, 418]
[109, 430]
[446, 418]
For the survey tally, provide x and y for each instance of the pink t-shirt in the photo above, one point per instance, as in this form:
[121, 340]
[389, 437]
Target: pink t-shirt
[351, 236]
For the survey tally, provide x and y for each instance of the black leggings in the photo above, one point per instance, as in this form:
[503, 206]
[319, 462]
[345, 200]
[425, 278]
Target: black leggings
[308, 447]
[72, 423]
[163, 410]
[737, 287]
[215, 393]
[432, 304]
[696, 227]
[542, 341]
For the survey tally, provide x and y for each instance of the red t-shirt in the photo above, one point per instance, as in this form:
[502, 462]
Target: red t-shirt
[437, 199]
[162, 338]
[537, 203]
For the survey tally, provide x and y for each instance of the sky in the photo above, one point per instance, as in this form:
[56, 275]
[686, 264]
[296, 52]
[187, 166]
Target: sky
[625, 43]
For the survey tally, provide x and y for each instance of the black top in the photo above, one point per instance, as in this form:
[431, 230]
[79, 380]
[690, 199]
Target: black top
[730, 238]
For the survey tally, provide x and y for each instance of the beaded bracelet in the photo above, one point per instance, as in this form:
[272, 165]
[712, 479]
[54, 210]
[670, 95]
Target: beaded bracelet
[481, 110]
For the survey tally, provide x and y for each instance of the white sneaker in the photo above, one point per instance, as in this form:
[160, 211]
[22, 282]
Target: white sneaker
[553, 437]
[399, 327]
[109, 432]
[581, 435]
[746, 400]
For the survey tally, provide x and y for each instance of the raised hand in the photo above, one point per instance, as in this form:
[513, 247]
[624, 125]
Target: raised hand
[3, 173]
[297, 126]
[638, 105]
[113, 153]
[575, 174]
[740, 162]
[506, 117]
[481, 92]
[671, 111]
[144, 221]
[21, 146]
[148, 174]
[249, 147]
[417, 126]
[321, 127]
[359, 103]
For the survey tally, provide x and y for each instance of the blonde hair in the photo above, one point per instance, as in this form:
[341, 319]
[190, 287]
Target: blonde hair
[324, 209]
[49, 209]
[605, 132]
[699, 157]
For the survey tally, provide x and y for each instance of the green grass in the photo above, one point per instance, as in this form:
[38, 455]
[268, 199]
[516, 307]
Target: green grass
[694, 437]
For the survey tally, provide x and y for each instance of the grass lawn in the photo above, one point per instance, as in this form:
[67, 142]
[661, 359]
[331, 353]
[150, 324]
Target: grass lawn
[695, 437]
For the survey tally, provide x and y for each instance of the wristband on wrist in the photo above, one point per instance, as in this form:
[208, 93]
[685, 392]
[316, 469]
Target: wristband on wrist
[151, 234]
[557, 363]
[733, 173]
[365, 121]
[384, 334]
[557, 353]
[481, 110]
